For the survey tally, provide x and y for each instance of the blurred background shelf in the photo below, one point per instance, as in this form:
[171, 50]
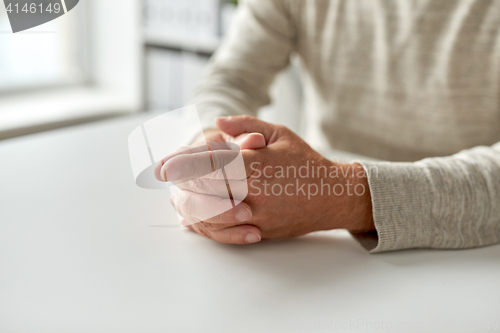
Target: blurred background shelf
[188, 43]
[179, 37]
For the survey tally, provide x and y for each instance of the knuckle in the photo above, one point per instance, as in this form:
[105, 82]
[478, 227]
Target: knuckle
[217, 219]
[200, 229]
[217, 174]
[264, 163]
[246, 117]
[196, 185]
[218, 160]
[226, 217]
[235, 239]
[184, 203]
[258, 200]
[252, 162]
[281, 127]
[209, 226]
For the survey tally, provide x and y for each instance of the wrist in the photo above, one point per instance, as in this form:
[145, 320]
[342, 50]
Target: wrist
[349, 206]
[359, 203]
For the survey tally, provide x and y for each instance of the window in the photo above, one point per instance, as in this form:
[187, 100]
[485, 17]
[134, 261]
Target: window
[52, 54]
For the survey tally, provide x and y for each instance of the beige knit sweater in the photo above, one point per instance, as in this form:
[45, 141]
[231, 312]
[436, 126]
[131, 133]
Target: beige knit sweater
[398, 80]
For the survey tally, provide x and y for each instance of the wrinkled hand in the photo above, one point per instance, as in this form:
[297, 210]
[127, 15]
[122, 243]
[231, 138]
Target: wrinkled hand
[292, 190]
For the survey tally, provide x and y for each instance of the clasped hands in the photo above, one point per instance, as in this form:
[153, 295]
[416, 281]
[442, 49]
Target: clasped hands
[292, 189]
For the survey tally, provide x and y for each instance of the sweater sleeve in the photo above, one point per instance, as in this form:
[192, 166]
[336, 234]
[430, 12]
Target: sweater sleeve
[238, 77]
[444, 202]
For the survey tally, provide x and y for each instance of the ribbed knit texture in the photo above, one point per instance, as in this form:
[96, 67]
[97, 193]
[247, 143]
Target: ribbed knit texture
[450, 202]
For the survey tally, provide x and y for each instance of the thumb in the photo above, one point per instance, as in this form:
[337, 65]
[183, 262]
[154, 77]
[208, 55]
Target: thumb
[250, 141]
[237, 125]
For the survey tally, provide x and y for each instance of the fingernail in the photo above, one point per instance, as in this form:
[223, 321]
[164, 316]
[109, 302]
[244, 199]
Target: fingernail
[162, 172]
[252, 238]
[243, 215]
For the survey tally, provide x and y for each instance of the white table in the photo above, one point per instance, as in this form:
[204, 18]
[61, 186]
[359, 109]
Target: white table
[77, 254]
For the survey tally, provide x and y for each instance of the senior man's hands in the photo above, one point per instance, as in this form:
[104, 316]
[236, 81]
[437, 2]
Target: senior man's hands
[292, 190]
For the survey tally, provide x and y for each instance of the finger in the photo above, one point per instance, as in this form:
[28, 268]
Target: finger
[206, 186]
[207, 165]
[251, 141]
[245, 141]
[239, 214]
[241, 234]
[188, 150]
[237, 125]
[189, 166]
[237, 166]
[194, 208]
[215, 187]
[181, 150]
[238, 189]
[172, 167]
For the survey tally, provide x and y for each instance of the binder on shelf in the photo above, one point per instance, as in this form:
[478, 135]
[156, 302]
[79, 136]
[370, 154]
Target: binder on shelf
[172, 76]
[186, 18]
[167, 15]
[207, 18]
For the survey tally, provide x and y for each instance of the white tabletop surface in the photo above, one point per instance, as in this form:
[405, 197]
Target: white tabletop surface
[77, 254]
